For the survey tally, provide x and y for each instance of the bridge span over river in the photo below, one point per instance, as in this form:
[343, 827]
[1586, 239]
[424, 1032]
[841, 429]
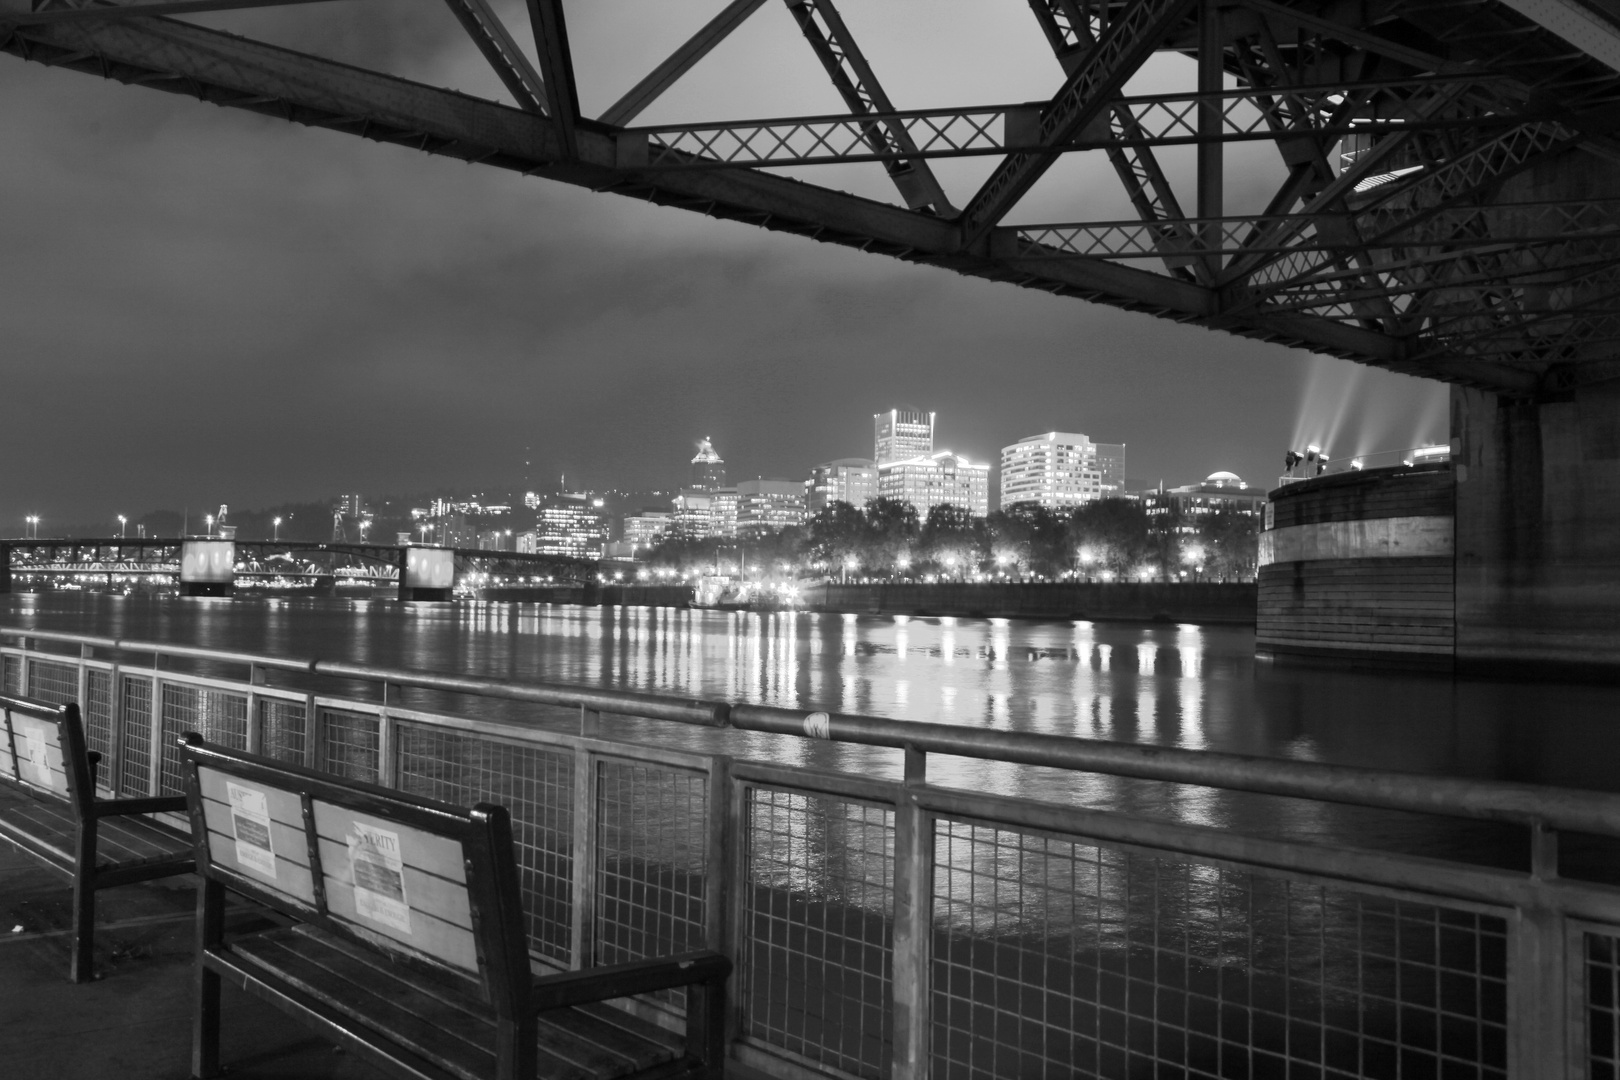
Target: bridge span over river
[1441, 197]
[202, 565]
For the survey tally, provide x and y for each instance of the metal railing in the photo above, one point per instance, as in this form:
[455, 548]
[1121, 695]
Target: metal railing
[899, 929]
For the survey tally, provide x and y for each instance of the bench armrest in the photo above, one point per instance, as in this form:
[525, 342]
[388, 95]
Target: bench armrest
[155, 804]
[620, 980]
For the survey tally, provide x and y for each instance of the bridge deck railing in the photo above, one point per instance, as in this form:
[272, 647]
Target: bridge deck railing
[905, 929]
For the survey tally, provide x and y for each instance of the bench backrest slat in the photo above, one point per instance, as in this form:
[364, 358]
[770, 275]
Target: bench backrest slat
[383, 868]
[257, 830]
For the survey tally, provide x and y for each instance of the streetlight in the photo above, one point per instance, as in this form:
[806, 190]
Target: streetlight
[210, 519]
[122, 521]
[33, 525]
[275, 529]
[425, 528]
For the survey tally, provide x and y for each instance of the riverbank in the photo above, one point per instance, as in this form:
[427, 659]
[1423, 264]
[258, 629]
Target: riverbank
[1208, 603]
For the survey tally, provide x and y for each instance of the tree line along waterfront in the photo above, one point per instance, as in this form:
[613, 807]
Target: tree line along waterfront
[887, 540]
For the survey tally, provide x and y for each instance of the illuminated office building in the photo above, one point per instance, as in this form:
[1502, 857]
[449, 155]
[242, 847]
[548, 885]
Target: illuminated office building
[935, 480]
[768, 506]
[571, 524]
[708, 470]
[902, 435]
[1060, 469]
[850, 480]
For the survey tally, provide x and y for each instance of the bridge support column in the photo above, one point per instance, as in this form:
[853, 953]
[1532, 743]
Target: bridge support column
[1538, 532]
[427, 573]
[207, 567]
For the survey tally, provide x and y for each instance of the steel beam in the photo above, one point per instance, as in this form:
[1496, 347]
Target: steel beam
[21, 13]
[1123, 47]
[487, 31]
[557, 69]
[682, 60]
[824, 28]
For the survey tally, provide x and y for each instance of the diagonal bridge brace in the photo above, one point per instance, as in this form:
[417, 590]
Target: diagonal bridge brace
[1127, 42]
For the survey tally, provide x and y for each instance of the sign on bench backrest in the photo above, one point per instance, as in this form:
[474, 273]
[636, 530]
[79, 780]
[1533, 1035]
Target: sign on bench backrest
[387, 879]
[257, 830]
[34, 752]
[377, 875]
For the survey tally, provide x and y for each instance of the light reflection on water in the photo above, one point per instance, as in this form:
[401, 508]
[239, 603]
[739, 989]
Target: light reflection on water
[1172, 685]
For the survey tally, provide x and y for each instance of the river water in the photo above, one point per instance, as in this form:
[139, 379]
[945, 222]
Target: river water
[1187, 686]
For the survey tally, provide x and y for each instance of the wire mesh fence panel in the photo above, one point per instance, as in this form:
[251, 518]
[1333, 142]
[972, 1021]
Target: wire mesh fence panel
[135, 764]
[818, 912]
[351, 744]
[53, 681]
[1061, 958]
[1603, 1006]
[11, 668]
[536, 785]
[284, 730]
[98, 716]
[216, 715]
[652, 851]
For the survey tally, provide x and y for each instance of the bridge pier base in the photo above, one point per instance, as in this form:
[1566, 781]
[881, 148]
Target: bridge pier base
[1538, 532]
[207, 567]
[427, 573]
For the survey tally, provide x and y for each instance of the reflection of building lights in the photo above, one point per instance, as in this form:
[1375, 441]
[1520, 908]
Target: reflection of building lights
[1356, 463]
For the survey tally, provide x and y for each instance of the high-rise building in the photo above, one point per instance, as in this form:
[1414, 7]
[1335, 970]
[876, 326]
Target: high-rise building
[693, 513]
[642, 531]
[1057, 469]
[571, 524]
[1060, 469]
[902, 435]
[935, 480]
[1111, 464]
[708, 470]
[850, 480]
[767, 506]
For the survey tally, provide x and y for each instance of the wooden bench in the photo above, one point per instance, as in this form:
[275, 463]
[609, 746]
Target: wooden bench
[399, 933]
[99, 843]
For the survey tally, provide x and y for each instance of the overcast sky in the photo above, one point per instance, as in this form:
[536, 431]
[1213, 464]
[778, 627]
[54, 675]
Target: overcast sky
[199, 305]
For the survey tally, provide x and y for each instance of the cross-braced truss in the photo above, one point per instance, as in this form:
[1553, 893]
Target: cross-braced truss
[1445, 187]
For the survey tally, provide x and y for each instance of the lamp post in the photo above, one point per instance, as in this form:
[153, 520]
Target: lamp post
[275, 530]
[33, 525]
[210, 519]
[122, 521]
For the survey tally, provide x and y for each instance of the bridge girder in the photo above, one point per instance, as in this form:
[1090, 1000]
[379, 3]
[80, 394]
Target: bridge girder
[1417, 222]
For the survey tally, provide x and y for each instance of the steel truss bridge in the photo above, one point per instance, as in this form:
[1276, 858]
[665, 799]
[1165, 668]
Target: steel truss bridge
[1443, 199]
[157, 558]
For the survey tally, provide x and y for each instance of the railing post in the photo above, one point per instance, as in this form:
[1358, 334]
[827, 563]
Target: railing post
[313, 733]
[257, 676]
[913, 926]
[154, 740]
[736, 870]
[82, 690]
[385, 742]
[1545, 980]
[582, 946]
[115, 730]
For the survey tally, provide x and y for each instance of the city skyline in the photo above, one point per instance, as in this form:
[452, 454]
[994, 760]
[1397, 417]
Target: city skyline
[211, 305]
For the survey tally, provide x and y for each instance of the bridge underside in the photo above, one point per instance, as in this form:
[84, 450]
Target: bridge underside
[1443, 196]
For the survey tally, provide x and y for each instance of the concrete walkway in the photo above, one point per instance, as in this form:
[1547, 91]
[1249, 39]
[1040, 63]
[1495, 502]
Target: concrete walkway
[134, 1021]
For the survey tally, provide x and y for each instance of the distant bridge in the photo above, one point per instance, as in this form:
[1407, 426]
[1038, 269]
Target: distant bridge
[293, 560]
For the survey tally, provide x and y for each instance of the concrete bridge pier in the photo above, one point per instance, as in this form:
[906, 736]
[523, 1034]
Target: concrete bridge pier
[207, 567]
[1538, 531]
[427, 573]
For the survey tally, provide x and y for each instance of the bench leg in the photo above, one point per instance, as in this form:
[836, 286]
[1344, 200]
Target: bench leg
[205, 1032]
[82, 963]
[706, 1025]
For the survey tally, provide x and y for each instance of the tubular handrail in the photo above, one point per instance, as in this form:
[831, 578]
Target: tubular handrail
[1484, 800]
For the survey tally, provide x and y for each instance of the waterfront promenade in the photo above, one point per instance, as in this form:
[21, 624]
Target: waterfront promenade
[930, 925]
